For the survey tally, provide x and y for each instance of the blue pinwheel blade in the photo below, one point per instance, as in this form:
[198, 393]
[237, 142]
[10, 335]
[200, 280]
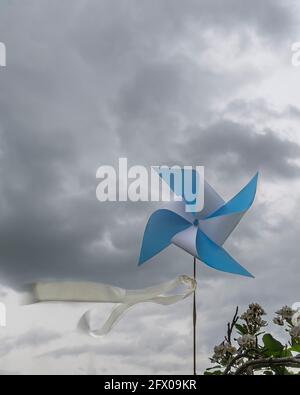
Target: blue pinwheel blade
[162, 226]
[241, 202]
[216, 257]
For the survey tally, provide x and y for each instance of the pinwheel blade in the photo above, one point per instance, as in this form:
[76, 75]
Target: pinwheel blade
[174, 178]
[219, 225]
[212, 201]
[241, 202]
[219, 229]
[162, 226]
[185, 183]
[178, 207]
[187, 240]
[216, 257]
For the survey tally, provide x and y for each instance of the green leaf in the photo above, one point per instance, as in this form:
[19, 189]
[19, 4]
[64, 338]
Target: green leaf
[242, 329]
[286, 353]
[215, 373]
[296, 347]
[273, 346]
[214, 367]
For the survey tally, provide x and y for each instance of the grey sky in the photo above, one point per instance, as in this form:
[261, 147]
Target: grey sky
[161, 82]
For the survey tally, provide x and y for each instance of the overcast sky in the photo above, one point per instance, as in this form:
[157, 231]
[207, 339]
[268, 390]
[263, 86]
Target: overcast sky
[194, 82]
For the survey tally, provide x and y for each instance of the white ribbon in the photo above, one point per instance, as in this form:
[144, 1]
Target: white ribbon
[103, 293]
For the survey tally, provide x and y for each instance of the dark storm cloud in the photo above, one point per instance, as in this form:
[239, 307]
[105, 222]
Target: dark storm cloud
[232, 148]
[261, 108]
[110, 81]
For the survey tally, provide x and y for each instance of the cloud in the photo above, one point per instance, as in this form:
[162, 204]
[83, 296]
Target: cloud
[31, 339]
[231, 148]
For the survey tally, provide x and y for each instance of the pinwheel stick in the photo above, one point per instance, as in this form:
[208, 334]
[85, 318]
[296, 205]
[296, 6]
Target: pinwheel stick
[195, 323]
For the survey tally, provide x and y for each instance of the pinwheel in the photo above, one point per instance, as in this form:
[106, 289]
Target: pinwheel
[200, 234]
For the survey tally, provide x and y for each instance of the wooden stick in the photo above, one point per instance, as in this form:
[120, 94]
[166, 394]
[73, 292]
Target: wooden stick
[195, 323]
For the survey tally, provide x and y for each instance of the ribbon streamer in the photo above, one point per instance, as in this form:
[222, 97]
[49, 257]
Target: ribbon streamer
[89, 292]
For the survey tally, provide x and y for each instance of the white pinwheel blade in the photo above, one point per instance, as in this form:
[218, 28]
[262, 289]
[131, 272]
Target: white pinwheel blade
[212, 201]
[219, 229]
[187, 240]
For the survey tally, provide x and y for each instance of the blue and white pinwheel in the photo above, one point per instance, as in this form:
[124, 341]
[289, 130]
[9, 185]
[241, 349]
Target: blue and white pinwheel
[200, 234]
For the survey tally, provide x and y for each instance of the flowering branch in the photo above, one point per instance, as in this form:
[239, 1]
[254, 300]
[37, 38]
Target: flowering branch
[255, 350]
